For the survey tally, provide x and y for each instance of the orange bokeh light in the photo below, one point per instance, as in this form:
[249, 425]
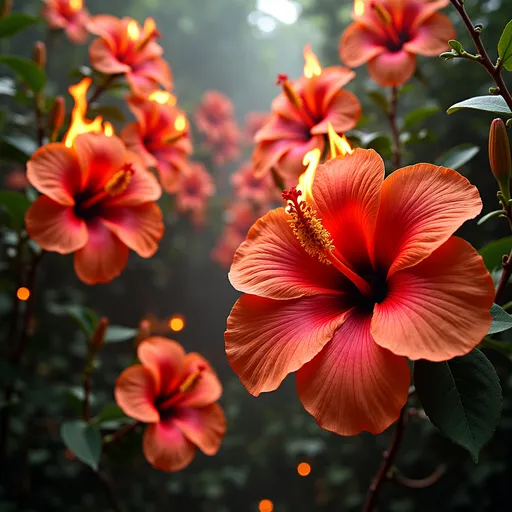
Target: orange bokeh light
[23, 293]
[304, 469]
[176, 323]
[75, 5]
[266, 506]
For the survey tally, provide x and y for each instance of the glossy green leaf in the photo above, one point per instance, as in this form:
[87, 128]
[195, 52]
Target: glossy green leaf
[488, 103]
[493, 252]
[456, 157]
[83, 440]
[15, 22]
[505, 47]
[501, 320]
[419, 115]
[379, 99]
[116, 333]
[15, 205]
[111, 412]
[26, 70]
[462, 397]
[86, 318]
[456, 45]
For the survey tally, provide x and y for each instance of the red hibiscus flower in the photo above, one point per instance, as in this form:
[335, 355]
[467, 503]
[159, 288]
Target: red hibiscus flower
[215, 110]
[388, 34]
[97, 202]
[226, 148]
[176, 394]
[69, 15]
[246, 185]
[343, 287]
[123, 47]
[300, 118]
[161, 138]
[196, 187]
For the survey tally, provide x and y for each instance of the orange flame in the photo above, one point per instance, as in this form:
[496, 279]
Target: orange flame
[311, 160]
[163, 97]
[79, 123]
[358, 7]
[133, 30]
[311, 66]
[180, 123]
[339, 146]
[75, 5]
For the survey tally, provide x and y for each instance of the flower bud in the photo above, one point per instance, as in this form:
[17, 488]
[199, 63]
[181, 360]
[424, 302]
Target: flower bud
[499, 156]
[56, 118]
[143, 332]
[6, 9]
[39, 54]
[98, 337]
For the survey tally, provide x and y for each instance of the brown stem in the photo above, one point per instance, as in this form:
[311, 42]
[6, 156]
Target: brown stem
[122, 432]
[393, 121]
[107, 482]
[421, 483]
[39, 119]
[493, 70]
[388, 459]
[102, 88]
[504, 278]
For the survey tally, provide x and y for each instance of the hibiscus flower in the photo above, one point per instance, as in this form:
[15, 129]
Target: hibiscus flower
[97, 202]
[68, 15]
[246, 185]
[388, 34]
[175, 394]
[214, 111]
[344, 286]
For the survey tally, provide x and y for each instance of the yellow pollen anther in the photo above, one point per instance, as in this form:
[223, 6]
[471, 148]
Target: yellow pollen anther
[120, 181]
[307, 227]
[191, 381]
[382, 13]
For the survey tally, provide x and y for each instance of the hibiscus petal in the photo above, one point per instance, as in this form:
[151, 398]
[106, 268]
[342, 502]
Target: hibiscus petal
[139, 227]
[100, 158]
[135, 394]
[166, 447]
[268, 339]
[278, 127]
[353, 385]
[55, 227]
[104, 60]
[164, 358]
[268, 153]
[432, 36]
[426, 9]
[391, 69]
[439, 308]
[421, 207]
[359, 44]
[54, 170]
[271, 263]
[342, 112]
[290, 164]
[346, 194]
[156, 70]
[102, 258]
[205, 427]
[132, 138]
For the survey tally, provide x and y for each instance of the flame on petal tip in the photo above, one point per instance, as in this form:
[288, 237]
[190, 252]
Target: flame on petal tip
[311, 65]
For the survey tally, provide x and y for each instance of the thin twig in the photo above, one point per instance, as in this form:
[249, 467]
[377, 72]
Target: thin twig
[504, 278]
[111, 492]
[388, 459]
[493, 70]
[421, 483]
[102, 88]
[119, 434]
[393, 121]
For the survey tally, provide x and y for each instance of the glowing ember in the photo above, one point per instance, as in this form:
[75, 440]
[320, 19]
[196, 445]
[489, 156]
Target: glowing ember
[133, 30]
[177, 323]
[339, 146]
[358, 7]
[23, 293]
[312, 66]
[304, 469]
[163, 97]
[76, 5]
[180, 123]
[311, 159]
[79, 123]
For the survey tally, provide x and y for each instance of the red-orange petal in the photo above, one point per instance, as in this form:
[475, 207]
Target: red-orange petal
[267, 339]
[135, 394]
[353, 385]
[164, 358]
[54, 170]
[205, 427]
[359, 44]
[139, 227]
[55, 227]
[431, 37]
[439, 308]
[421, 207]
[102, 258]
[391, 69]
[271, 263]
[104, 60]
[166, 447]
[346, 193]
[343, 113]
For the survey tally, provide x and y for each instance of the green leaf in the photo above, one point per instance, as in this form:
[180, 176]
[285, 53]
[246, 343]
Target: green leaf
[488, 103]
[456, 157]
[462, 397]
[26, 70]
[111, 412]
[419, 115]
[15, 205]
[108, 112]
[83, 440]
[489, 216]
[15, 22]
[501, 320]
[116, 333]
[456, 45]
[493, 252]
[86, 318]
[505, 47]
[379, 99]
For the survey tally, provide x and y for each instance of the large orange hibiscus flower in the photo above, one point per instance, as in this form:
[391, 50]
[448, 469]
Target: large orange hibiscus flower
[343, 287]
